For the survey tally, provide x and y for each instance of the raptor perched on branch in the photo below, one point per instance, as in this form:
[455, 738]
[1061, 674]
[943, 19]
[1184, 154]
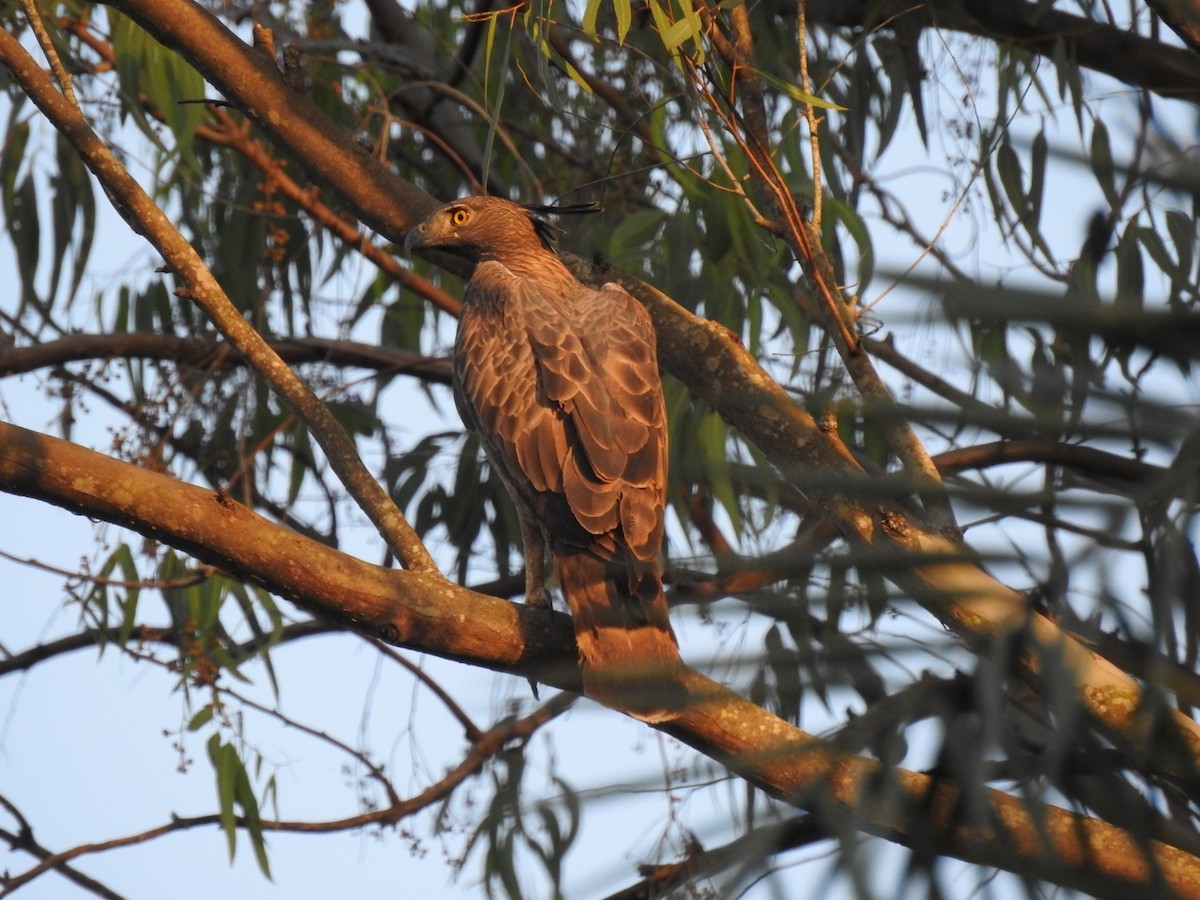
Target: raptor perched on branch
[561, 382]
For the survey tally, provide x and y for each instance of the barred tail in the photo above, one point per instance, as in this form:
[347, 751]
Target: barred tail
[628, 651]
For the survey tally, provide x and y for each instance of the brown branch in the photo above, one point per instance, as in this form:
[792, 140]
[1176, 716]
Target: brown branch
[1183, 16]
[938, 572]
[145, 217]
[1088, 461]
[212, 352]
[1144, 62]
[144, 634]
[488, 744]
[886, 350]
[229, 134]
[23, 840]
[425, 612]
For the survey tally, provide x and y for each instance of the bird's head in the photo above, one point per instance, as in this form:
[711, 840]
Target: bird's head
[480, 228]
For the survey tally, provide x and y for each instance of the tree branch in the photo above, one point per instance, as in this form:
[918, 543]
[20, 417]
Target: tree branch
[211, 352]
[145, 217]
[425, 612]
[24, 840]
[486, 745]
[1183, 16]
[1143, 62]
[386, 203]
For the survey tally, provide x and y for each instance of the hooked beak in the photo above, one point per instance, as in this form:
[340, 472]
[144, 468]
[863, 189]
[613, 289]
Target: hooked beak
[415, 239]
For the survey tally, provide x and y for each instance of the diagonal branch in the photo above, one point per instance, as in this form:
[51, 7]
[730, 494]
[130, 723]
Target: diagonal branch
[386, 203]
[746, 121]
[1183, 16]
[230, 134]
[145, 217]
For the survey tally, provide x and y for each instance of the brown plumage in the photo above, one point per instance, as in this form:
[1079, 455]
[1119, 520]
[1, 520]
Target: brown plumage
[561, 382]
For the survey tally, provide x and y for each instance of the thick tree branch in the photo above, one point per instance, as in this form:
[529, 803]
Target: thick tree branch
[424, 612]
[388, 204]
[938, 572]
[1183, 16]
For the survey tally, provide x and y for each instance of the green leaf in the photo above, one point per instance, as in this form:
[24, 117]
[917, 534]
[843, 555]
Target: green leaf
[589, 18]
[624, 13]
[712, 437]
[150, 74]
[1153, 242]
[856, 227]
[25, 229]
[1182, 230]
[796, 93]
[119, 565]
[202, 718]
[628, 240]
[234, 788]
[206, 599]
[678, 32]
[75, 183]
[244, 793]
[662, 23]
[1131, 276]
[1037, 180]
[1102, 163]
[16, 141]
[1008, 167]
[226, 765]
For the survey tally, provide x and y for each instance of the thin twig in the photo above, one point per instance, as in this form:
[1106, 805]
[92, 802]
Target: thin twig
[810, 114]
[489, 743]
[47, 44]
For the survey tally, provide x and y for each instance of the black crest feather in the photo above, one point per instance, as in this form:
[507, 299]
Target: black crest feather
[547, 231]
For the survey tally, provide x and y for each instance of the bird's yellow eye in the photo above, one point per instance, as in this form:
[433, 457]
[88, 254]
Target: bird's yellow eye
[460, 217]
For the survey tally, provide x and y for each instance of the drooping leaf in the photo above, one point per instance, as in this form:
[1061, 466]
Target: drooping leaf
[1102, 163]
[1131, 276]
[226, 766]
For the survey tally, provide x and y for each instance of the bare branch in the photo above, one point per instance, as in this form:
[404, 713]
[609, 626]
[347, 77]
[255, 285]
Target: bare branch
[488, 744]
[214, 353]
[1143, 62]
[23, 840]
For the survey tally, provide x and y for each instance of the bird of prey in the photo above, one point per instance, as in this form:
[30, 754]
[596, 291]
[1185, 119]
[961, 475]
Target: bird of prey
[561, 383]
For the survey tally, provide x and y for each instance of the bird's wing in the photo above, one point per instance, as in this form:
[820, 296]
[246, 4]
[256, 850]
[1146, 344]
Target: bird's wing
[562, 383]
